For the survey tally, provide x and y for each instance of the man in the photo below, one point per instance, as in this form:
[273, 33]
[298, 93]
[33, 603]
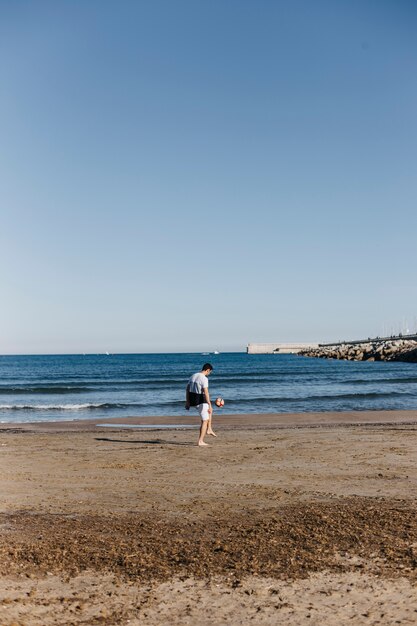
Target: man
[197, 395]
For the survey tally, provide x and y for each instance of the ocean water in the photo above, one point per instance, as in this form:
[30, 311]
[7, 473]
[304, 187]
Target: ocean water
[66, 387]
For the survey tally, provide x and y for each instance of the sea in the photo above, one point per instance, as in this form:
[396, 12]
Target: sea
[67, 387]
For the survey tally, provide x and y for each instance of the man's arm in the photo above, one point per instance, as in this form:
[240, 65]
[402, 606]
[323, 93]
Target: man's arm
[187, 398]
[207, 396]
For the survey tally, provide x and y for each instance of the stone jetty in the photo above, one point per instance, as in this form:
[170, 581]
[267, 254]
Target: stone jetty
[374, 350]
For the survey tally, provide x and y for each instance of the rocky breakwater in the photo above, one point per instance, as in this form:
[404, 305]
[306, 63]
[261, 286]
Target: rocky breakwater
[397, 350]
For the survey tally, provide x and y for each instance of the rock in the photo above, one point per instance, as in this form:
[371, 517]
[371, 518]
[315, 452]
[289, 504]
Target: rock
[395, 350]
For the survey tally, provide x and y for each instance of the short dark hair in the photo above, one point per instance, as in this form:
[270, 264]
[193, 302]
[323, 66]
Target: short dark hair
[207, 366]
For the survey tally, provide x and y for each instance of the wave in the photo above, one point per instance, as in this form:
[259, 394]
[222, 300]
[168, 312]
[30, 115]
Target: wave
[60, 407]
[22, 390]
[131, 385]
[342, 396]
[377, 381]
[87, 406]
[175, 404]
[85, 384]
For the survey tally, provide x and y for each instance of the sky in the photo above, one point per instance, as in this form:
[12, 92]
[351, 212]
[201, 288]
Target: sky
[200, 174]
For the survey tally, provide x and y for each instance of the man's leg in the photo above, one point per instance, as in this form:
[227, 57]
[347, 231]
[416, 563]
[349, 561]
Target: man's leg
[203, 432]
[204, 414]
[210, 431]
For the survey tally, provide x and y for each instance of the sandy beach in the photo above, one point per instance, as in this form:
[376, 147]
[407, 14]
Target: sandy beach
[291, 519]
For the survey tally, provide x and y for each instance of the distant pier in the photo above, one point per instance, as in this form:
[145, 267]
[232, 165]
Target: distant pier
[412, 337]
[279, 348]
[294, 348]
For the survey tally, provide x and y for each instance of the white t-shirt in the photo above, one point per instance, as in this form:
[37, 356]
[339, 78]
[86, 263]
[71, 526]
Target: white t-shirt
[196, 385]
[198, 382]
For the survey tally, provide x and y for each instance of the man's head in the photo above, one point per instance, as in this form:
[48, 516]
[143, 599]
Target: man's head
[207, 369]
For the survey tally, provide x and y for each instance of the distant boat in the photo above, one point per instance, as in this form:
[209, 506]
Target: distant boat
[215, 352]
[107, 353]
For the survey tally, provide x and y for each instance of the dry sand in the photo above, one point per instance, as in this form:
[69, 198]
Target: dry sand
[284, 519]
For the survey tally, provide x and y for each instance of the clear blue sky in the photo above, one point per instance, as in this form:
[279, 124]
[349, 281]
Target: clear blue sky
[193, 175]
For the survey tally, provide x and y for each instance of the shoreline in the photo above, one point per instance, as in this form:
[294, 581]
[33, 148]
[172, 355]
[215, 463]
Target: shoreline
[240, 420]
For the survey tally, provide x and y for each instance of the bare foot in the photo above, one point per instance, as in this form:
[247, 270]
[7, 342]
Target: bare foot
[212, 433]
[203, 444]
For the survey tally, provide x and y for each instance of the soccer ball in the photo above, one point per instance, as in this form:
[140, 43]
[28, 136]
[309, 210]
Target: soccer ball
[219, 402]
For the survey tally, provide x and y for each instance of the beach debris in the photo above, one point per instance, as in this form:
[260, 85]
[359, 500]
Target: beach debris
[286, 541]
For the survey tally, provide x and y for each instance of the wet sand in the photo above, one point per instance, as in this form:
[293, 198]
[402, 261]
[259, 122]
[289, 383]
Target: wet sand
[292, 518]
